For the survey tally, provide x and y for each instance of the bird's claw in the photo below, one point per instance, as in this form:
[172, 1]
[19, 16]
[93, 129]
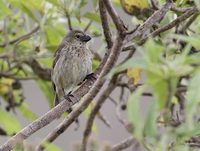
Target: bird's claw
[69, 96]
[91, 76]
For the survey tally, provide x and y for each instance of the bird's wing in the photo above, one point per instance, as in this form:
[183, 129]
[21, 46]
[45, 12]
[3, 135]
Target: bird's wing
[56, 57]
[57, 53]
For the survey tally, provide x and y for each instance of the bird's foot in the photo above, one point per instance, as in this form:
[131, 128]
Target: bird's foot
[69, 96]
[91, 76]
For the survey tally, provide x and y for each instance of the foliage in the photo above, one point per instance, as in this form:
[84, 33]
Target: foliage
[169, 62]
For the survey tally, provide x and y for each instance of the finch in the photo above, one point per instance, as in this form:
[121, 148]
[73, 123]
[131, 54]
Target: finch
[72, 63]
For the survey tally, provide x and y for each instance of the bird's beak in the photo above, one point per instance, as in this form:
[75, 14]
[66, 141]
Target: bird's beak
[85, 38]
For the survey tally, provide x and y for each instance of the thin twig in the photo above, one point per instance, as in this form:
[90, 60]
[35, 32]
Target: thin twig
[179, 10]
[68, 20]
[103, 119]
[88, 26]
[94, 112]
[124, 144]
[21, 38]
[105, 24]
[15, 77]
[183, 17]
[189, 22]
[116, 19]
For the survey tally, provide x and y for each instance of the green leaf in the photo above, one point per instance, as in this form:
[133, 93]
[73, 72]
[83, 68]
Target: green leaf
[29, 12]
[192, 40]
[134, 114]
[193, 98]
[47, 89]
[92, 16]
[159, 88]
[9, 123]
[4, 10]
[53, 35]
[133, 62]
[46, 61]
[150, 120]
[162, 87]
[153, 52]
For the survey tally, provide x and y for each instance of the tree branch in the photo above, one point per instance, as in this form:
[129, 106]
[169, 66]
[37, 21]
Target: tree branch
[105, 24]
[124, 144]
[43, 73]
[155, 18]
[94, 112]
[116, 19]
[181, 18]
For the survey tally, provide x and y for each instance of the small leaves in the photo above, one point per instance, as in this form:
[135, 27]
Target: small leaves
[5, 84]
[193, 97]
[151, 119]
[92, 16]
[4, 10]
[9, 123]
[134, 115]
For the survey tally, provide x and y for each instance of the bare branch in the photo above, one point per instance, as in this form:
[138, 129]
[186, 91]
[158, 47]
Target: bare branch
[104, 120]
[188, 23]
[94, 112]
[105, 24]
[43, 73]
[155, 18]
[88, 26]
[124, 144]
[116, 19]
[183, 17]
[179, 10]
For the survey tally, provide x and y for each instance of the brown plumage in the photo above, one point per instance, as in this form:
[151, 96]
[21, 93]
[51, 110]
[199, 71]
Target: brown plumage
[72, 63]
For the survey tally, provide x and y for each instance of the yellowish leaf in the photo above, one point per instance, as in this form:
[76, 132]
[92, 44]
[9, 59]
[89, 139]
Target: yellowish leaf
[174, 100]
[5, 84]
[134, 74]
[134, 7]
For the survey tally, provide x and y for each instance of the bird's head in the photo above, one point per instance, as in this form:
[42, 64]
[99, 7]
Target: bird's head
[77, 37]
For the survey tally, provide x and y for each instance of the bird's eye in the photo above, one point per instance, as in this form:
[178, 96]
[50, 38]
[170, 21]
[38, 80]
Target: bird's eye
[77, 36]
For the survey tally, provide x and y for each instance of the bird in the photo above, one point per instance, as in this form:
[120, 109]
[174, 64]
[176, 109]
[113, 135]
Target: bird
[71, 65]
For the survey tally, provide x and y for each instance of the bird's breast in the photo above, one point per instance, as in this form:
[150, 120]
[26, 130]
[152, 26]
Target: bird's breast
[78, 64]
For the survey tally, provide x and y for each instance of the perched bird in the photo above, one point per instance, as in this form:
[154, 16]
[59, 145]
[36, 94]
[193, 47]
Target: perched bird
[72, 63]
